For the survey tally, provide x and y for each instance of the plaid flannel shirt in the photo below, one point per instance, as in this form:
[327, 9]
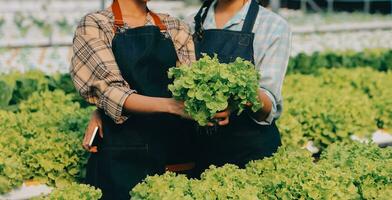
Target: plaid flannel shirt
[94, 70]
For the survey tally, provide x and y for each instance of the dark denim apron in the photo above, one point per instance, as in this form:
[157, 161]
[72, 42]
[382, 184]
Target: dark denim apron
[144, 144]
[242, 140]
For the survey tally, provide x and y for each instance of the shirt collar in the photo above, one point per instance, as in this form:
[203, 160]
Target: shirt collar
[235, 20]
[149, 20]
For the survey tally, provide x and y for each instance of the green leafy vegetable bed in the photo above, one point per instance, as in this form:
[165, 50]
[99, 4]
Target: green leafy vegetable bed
[41, 141]
[42, 125]
[334, 104]
[345, 171]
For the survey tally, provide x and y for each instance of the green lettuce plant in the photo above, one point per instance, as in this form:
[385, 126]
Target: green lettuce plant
[208, 86]
[73, 191]
[23, 23]
[43, 24]
[5, 94]
[64, 25]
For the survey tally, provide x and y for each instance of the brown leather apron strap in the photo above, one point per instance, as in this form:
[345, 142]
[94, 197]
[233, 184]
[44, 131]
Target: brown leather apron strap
[119, 22]
[118, 19]
[180, 167]
[158, 22]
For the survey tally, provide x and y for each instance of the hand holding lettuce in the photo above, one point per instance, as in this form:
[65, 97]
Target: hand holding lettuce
[208, 87]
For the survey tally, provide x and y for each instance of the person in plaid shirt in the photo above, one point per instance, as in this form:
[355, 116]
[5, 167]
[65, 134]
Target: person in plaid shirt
[120, 63]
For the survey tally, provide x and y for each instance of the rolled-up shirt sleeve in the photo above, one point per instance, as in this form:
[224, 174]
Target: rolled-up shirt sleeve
[273, 66]
[183, 41]
[94, 71]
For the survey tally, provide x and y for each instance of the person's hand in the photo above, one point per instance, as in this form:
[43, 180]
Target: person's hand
[223, 118]
[177, 108]
[95, 121]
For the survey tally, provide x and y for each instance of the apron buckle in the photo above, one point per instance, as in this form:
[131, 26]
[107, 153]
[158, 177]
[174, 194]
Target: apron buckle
[122, 29]
[166, 34]
[199, 34]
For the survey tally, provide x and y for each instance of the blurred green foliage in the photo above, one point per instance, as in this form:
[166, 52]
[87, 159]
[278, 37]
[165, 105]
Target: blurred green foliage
[378, 59]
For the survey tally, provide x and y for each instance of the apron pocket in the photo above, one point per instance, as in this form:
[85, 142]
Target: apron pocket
[129, 166]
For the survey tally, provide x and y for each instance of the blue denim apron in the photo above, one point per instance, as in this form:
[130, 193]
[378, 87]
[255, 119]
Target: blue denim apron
[144, 144]
[242, 140]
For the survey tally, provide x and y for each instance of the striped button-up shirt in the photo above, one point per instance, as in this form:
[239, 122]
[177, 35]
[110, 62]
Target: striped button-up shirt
[271, 45]
[94, 70]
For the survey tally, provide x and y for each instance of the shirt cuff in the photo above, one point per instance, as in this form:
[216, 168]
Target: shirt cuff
[271, 116]
[113, 103]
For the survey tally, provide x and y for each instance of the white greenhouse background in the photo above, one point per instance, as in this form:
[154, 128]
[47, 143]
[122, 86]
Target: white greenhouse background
[49, 24]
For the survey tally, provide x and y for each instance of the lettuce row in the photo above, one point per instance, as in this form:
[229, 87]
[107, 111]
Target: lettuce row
[41, 141]
[345, 171]
[334, 104]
